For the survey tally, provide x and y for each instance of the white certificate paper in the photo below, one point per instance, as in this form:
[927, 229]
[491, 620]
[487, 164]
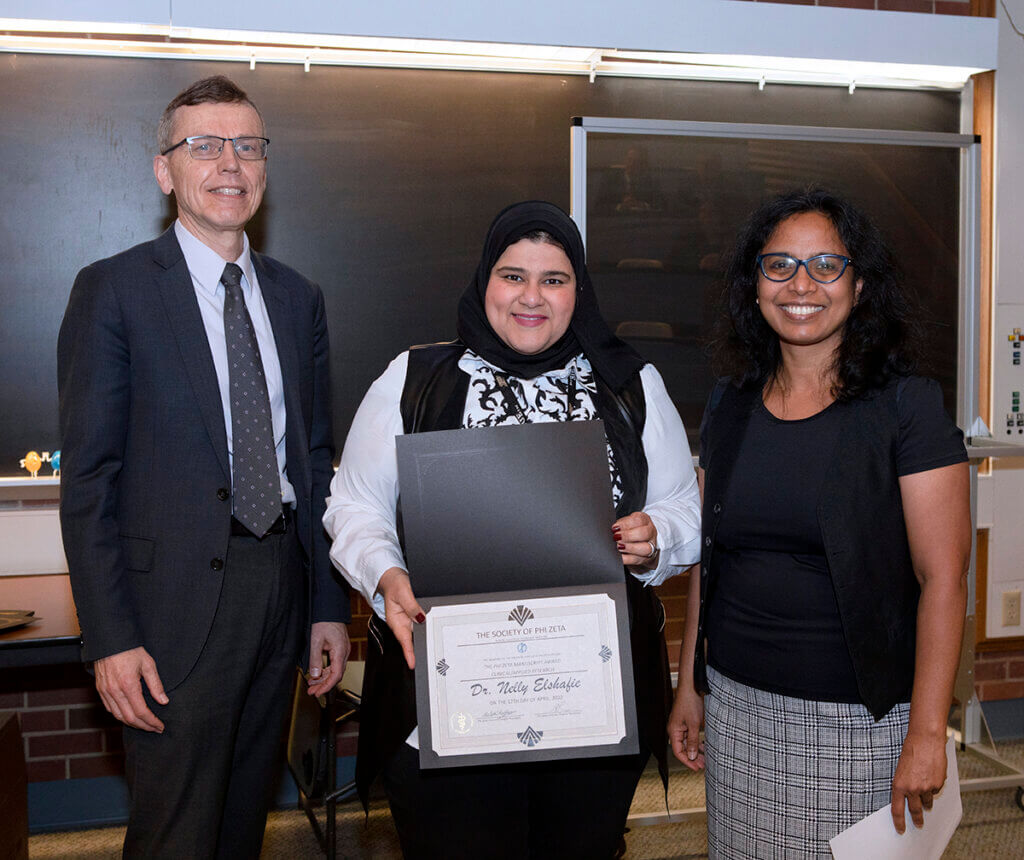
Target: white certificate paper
[525, 678]
[875, 837]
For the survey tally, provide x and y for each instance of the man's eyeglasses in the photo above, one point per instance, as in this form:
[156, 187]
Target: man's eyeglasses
[825, 268]
[207, 147]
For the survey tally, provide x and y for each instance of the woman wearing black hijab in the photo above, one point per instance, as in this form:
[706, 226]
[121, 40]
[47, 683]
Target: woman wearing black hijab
[532, 347]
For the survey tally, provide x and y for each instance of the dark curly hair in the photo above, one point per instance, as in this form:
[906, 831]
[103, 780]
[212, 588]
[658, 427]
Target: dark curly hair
[882, 336]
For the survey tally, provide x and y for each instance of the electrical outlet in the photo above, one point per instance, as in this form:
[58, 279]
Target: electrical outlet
[1011, 609]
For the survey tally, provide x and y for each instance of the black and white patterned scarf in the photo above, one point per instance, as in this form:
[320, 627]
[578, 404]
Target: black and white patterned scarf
[544, 398]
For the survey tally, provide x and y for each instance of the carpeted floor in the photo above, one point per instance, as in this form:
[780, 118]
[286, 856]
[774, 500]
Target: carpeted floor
[992, 826]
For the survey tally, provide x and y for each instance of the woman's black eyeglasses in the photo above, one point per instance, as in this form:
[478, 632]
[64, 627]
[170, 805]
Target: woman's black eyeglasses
[824, 268]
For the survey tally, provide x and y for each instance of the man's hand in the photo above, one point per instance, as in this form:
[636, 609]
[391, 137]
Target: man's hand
[330, 638]
[119, 685]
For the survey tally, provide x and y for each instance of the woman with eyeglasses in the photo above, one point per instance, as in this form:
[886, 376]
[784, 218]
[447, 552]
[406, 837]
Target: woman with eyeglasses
[823, 630]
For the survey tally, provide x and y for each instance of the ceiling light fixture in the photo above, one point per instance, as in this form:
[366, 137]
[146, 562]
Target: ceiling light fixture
[254, 47]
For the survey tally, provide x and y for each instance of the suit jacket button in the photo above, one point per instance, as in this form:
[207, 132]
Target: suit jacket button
[223, 494]
[217, 564]
[717, 508]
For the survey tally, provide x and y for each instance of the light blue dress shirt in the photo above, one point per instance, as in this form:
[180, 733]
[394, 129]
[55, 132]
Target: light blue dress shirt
[206, 267]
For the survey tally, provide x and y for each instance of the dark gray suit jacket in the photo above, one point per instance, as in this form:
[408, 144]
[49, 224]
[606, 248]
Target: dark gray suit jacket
[145, 480]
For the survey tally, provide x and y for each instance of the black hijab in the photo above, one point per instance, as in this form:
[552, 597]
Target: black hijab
[612, 359]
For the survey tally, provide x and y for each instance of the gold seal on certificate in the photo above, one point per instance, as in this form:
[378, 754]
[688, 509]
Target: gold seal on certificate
[524, 678]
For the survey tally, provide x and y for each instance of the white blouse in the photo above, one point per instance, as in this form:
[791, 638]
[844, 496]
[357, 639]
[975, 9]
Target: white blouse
[360, 516]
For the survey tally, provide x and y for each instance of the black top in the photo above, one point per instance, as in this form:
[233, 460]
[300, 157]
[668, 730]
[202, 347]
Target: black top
[772, 619]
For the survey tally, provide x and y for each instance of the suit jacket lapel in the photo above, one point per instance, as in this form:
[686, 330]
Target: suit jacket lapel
[182, 310]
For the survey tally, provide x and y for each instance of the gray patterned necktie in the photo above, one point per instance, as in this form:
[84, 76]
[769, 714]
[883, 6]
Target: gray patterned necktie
[254, 473]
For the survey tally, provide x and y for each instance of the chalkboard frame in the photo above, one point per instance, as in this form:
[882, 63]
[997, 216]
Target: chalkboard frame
[969, 257]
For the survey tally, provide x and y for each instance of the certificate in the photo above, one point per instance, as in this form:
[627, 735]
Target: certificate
[525, 677]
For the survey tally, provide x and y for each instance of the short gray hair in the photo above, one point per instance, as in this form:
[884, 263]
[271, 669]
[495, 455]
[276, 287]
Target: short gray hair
[216, 89]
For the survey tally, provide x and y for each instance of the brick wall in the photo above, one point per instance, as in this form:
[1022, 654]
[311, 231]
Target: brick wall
[357, 629]
[68, 735]
[999, 675]
[66, 731]
[673, 596]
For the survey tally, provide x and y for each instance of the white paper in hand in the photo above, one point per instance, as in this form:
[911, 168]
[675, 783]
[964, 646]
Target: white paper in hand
[875, 837]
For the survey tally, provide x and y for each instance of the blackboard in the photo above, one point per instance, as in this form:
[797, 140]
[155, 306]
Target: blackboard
[661, 219]
[381, 185]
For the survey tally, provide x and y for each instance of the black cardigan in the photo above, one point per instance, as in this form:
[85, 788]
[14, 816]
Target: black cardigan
[861, 517]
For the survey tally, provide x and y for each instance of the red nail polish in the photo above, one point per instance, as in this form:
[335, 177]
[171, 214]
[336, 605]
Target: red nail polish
[616, 530]
[420, 618]
[620, 545]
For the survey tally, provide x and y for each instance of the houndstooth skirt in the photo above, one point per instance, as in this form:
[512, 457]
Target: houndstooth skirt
[785, 775]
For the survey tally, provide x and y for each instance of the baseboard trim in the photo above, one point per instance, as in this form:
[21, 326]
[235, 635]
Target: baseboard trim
[102, 801]
[1005, 718]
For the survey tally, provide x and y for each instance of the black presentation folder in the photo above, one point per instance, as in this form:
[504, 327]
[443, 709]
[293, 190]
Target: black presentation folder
[507, 508]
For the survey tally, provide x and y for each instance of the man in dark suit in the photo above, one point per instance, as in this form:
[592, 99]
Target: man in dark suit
[197, 450]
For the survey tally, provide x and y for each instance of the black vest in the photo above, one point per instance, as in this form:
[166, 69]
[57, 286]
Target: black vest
[434, 398]
[861, 517]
